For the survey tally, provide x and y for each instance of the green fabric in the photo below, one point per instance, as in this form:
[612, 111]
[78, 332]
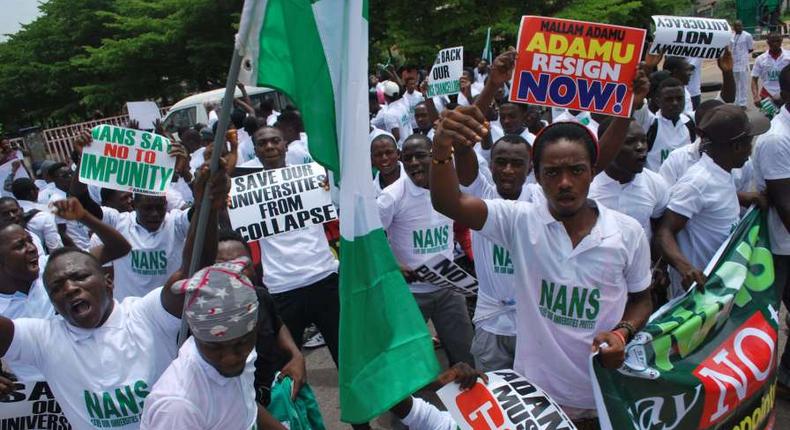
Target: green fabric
[300, 414]
[386, 353]
[699, 362]
[292, 60]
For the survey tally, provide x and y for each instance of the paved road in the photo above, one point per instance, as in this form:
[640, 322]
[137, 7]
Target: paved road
[323, 377]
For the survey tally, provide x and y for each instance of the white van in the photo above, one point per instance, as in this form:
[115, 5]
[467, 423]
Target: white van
[192, 110]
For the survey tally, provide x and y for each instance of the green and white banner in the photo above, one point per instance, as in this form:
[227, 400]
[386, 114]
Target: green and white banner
[127, 160]
[708, 359]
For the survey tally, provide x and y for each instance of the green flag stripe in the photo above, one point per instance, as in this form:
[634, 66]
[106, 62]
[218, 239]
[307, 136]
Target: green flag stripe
[385, 351]
[292, 60]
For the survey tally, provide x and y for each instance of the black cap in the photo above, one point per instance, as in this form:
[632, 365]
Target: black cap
[726, 123]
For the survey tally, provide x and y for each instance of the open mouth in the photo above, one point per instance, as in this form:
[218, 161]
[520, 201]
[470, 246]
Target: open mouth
[80, 307]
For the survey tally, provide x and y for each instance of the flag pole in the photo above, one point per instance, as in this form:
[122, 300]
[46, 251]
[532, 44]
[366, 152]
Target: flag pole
[219, 142]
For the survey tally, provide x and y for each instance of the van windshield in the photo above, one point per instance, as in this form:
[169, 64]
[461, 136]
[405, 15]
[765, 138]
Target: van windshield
[182, 118]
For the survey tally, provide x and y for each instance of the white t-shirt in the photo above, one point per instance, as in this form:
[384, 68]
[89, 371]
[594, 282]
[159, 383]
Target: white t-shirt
[192, 394]
[298, 152]
[694, 87]
[42, 224]
[154, 256]
[399, 109]
[767, 69]
[79, 233]
[34, 304]
[643, 199]
[101, 376]
[496, 295]
[678, 162]
[416, 232]
[669, 136]
[706, 195]
[425, 416]
[385, 121]
[568, 294]
[296, 259]
[196, 159]
[45, 192]
[771, 161]
[413, 100]
[246, 150]
[377, 177]
[741, 46]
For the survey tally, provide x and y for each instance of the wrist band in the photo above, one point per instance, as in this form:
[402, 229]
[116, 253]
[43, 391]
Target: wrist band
[628, 327]
[446, 160]
[621, 337]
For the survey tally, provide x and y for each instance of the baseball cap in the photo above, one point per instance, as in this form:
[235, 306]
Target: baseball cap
[727, 122]
[390, 88]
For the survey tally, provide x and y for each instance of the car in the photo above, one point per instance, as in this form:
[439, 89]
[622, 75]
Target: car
[192, 110]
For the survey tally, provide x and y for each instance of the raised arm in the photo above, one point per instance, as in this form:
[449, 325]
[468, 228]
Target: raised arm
[613, 138]
[501, 72]
[77, 188]
[462, 126]
[113, 246]
[218, 186]
[725, 63]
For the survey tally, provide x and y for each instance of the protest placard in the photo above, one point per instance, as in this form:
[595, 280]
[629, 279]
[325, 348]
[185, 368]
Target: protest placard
[445, 77]
[31, 405]
[508, 401]
[576, 65]
[145, 113]
[690, 36]
[127, 160]
[445, 273]
[272, 202]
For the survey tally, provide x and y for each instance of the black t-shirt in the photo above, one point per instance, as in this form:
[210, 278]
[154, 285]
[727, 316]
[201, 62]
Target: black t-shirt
[270, 357]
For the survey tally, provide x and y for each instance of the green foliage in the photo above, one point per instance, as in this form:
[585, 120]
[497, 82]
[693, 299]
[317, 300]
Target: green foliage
[88, 55]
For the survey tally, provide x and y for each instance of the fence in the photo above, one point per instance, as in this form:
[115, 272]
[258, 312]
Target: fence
[57, 140]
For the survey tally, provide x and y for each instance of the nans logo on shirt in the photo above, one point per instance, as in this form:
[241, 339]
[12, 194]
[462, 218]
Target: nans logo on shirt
[116, 408]
[431, 240]
[502, 262]
[569, 306]
[149, 262]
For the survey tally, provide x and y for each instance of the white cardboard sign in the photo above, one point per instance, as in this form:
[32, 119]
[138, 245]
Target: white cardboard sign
[445, 77]
[690, 36]
[272, 202]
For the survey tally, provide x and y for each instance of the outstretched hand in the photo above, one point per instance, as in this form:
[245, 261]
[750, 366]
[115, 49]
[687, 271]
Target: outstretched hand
[502, 68]
[464, 125]
[463, 374]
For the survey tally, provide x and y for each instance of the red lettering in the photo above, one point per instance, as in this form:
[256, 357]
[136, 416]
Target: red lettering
[480, 409]
[739, 367]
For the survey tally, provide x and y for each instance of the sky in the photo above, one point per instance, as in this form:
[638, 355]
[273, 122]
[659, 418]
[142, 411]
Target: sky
[15, 12]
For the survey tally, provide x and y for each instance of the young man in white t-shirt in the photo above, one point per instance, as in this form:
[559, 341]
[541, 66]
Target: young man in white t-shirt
[561, 246]
[385, 157]
[299, 268]
[290, 124]
[102, 357]
[417, 234]
[741, 45]
[22, 292]
[766, 69]
[210, 384]
[703, 205]
[771, 161]
[626, 186]
[669, 128]
[494, 343]
[157, 236]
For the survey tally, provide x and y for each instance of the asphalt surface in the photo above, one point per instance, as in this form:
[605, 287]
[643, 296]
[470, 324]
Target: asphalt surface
[322, 374]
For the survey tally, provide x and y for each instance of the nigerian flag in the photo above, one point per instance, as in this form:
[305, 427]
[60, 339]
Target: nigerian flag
[316, 52]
